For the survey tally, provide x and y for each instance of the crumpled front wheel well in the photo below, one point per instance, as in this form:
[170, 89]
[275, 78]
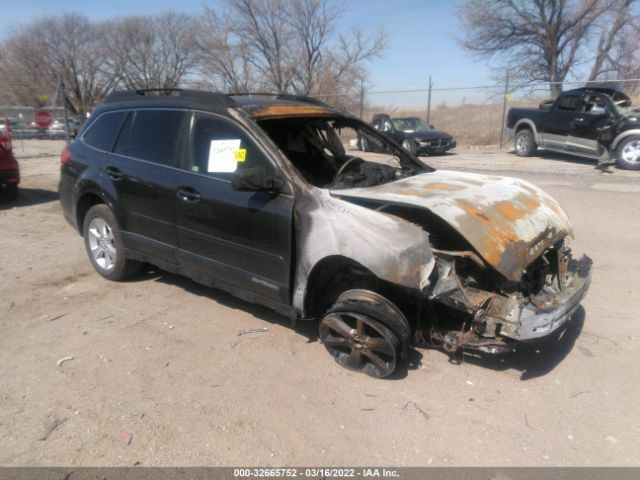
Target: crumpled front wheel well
[333, 275]
[329, 278]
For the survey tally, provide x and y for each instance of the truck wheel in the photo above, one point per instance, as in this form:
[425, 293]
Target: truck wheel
[9, 193]
[628, 153]
[364, 331]
[524, 143]
[104, 245]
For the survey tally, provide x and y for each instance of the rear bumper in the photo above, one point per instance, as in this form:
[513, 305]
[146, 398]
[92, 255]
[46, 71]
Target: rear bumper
[9, 176]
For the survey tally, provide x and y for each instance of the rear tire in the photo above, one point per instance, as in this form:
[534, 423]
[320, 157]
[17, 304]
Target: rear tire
[628, 153]
[104, 245]
[365, 332]
[524, 143]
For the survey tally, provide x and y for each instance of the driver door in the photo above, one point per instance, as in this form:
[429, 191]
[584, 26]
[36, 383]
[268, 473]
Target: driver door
[239, 238]
[586, 128]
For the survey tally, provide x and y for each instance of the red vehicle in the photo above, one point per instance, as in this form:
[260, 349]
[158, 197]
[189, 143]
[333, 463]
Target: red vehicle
[9, 168]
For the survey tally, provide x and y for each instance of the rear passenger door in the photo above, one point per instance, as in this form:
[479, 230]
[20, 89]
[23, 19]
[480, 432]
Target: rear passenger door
[140, 175]
[240, 238]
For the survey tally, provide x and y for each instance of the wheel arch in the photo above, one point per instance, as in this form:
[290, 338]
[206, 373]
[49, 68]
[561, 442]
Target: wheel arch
[85, 201]
[526, 123]
[622, 136]
[333, 275]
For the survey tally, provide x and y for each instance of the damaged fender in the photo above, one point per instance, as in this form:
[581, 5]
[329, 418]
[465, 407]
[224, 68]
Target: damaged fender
[393, 249]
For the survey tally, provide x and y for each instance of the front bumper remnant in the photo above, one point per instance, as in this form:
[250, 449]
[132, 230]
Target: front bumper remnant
[499, 321]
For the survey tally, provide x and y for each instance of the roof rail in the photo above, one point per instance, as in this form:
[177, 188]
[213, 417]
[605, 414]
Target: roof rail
[156, 93]
[283, 96]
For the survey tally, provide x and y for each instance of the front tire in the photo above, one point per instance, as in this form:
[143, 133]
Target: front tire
[525, 144]
[103, 242]
[628, 153]
[410, 146]
[365, 332]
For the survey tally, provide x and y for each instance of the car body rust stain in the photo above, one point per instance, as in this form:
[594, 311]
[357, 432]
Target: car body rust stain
[442, 186]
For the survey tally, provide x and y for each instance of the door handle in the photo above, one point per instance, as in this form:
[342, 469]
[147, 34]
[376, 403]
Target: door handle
[188, 194]
[114, 173]
[578, 119]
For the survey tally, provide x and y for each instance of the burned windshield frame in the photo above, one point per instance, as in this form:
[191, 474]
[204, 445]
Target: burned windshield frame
[404, 158]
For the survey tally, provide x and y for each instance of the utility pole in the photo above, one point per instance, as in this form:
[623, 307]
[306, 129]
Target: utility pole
[361, 98]
[504, 106]
[64, 110]
[429, 102]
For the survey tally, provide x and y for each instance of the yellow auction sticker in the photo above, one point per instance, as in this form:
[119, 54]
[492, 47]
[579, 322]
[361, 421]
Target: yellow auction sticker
[241, 154]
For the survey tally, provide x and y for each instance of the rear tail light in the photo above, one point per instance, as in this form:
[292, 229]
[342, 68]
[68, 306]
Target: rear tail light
[65, 156]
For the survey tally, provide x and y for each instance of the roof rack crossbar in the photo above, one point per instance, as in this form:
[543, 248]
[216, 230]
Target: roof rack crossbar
[282, 96]
[160, 93]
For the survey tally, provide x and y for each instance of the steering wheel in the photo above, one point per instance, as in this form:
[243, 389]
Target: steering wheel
[344, 166]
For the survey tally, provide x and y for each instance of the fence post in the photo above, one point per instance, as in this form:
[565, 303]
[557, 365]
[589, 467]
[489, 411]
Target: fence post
[361, 99]
[64, 110]
[504, 107]
[429, 102]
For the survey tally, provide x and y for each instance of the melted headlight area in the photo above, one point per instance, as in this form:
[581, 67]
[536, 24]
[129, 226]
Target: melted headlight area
[475, 307]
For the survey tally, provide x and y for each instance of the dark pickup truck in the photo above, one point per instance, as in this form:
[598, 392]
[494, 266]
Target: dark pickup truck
[589, 122]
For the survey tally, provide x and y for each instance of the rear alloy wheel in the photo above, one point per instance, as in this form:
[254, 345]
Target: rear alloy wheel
[525, 144]
[365, 332]
[628, 153]
[104, 246]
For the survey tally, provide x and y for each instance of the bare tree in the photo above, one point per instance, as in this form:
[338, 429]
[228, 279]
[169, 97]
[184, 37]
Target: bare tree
[223, 54]
[51, 50]
[543, 39]
[149, 52]
[285, 46]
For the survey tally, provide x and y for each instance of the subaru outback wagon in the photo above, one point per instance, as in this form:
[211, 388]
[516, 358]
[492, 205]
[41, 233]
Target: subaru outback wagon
[266, 197]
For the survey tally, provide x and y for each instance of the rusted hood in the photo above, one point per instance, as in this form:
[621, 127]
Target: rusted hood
[508, 221]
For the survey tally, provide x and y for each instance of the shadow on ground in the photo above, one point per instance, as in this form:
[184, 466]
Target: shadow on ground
[306, 328]
[565, 157]
[30, 196]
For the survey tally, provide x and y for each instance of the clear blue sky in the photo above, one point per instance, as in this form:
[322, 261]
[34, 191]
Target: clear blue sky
[421, 39]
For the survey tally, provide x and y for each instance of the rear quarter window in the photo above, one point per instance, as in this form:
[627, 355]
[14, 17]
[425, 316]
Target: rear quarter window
[569, 103]
[102, 133]
[156, 136]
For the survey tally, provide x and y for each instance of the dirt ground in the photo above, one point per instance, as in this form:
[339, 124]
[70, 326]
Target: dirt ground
[159, 375]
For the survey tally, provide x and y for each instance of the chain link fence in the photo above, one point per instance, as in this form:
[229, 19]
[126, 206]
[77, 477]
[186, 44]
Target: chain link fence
[474, 114]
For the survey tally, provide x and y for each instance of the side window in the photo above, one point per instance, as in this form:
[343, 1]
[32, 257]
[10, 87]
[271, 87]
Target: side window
[156, 136]
[102, 133]
[569, 103]
[122, 143]
[219, 148]
[595, 105]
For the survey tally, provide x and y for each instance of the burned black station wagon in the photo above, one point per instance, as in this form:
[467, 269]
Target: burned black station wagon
[263, 196]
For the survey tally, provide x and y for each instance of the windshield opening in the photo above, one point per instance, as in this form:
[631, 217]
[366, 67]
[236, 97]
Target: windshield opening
[410, 124]
[340, 152]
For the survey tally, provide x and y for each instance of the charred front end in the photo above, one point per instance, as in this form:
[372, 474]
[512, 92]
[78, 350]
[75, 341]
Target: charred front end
[504, 272]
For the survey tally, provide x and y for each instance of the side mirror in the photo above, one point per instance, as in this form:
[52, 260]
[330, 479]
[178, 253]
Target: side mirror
[255, 179]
